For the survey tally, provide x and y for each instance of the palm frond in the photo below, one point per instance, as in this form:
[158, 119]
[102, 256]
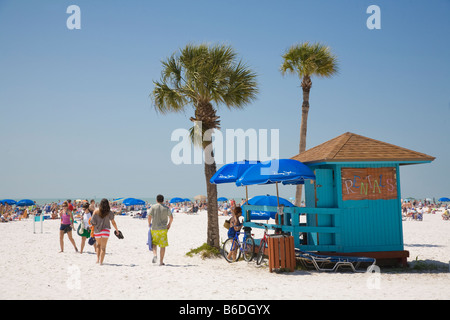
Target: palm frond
[166, 99]
[307, 59]
[202, 74]
[240, 88]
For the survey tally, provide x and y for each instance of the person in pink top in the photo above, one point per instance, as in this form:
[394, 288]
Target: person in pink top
[66, 226]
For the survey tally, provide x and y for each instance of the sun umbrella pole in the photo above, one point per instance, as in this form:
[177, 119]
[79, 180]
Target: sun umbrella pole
[278, 197]
[278, 203]
[247, 213]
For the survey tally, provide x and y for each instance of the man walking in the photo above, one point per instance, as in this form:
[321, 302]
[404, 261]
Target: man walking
[159, 220]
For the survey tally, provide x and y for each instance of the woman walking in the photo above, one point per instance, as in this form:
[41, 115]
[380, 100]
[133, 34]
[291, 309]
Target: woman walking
[102, 219]
[85, 228]
[66, 226]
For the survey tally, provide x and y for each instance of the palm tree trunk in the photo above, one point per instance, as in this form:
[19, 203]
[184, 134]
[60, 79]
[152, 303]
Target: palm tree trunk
[306, 86]
[205, 113]
[213, 218]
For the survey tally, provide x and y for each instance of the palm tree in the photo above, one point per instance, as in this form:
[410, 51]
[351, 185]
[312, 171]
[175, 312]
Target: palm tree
[204, 77]
[307, 60]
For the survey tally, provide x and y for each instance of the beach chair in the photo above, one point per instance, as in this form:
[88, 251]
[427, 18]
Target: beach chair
[332, 263]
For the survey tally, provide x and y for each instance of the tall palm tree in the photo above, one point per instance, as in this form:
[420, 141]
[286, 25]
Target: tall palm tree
[307, 60]
[204, 77]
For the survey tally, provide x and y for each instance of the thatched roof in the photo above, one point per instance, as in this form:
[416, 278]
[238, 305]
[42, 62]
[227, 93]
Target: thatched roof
[355, 148]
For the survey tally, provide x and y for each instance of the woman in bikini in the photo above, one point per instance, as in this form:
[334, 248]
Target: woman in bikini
[66, 226]
[101, 220]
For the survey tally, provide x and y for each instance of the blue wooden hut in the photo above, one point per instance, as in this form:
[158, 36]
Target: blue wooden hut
[354, 205]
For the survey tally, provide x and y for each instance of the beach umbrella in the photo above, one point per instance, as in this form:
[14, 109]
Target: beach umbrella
[118, 199]
[286, 171]
[133, 202]
[187, 200]
[200, 197]
[231, 172]
[267, 200]
[25, 203]
[222, 199]
[8, 201]
[176, 200]
[444, 199]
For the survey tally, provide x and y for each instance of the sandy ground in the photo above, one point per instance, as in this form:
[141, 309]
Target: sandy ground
[33, 268]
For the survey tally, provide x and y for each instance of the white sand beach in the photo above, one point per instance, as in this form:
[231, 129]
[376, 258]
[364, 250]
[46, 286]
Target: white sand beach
[33, 268]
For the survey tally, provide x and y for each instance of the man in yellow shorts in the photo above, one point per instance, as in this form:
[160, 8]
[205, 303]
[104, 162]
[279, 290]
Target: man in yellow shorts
[159, 220]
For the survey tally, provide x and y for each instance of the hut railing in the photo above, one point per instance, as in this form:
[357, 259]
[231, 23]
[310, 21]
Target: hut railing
[291, 223]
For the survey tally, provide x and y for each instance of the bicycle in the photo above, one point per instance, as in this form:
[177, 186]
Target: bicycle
[262, 246]
[233, 244]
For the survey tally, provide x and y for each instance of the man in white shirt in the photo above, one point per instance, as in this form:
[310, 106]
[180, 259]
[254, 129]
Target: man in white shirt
[159, 220]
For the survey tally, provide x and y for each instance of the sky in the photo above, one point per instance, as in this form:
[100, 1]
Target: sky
[76, 119]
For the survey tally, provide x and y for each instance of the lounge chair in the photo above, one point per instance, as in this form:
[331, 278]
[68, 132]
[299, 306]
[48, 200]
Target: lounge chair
[321, 261]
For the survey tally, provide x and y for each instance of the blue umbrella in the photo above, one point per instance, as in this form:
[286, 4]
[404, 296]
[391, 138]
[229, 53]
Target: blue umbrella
[444, 199]
[8, 201]
[175, 200]
[269, 200]
[230, 172]
[266, 200]
[222, 199]
[25, 203]
[133, 202]
[187, 199]
[286, 171]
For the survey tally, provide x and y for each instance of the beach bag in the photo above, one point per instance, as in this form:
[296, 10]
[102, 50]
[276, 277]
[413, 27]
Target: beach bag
[150, 240]
[82, 223]
[80, 230]
[226, 224]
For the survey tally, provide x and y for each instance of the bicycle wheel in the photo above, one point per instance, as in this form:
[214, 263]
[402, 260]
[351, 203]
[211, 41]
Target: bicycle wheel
[260, 255]
[249, 249]
[231, 250]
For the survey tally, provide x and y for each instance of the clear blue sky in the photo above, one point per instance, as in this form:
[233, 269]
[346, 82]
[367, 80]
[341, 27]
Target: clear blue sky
[76, 119]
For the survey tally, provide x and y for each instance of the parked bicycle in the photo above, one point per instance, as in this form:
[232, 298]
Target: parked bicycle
[233, 248]
[262, 246]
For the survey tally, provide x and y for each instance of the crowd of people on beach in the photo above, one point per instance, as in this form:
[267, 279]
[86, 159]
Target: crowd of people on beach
[415, 209]
[411, 209]
[10, 212]
[95, 219]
